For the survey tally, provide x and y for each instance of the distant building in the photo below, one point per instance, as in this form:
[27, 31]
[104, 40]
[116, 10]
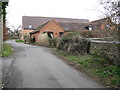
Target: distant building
[104, 24]
[35, 24]
[53, 27]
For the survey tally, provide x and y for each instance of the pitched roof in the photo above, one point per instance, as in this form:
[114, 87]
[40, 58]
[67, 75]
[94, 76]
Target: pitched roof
[77, 26]
[38, 28]
[37, 21]
[70, 26]
[103, 20]
[41, 26]
[73, 26]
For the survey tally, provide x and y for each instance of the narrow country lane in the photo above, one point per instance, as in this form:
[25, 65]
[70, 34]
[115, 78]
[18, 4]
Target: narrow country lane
[36, 67]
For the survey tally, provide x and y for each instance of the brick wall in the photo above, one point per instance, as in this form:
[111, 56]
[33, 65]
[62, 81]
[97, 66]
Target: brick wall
[52, 26]
[25, 32]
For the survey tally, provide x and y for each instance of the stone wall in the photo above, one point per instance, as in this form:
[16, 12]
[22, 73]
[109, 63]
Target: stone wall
[110, 48]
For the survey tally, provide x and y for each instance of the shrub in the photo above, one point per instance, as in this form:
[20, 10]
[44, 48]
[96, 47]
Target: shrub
[52, 42]
[32, 40]
[26, 38]
[101, 57]
[73, 43]
[7, 50]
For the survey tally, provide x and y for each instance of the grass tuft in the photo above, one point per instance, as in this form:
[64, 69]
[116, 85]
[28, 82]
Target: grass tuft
[7, 50]
[20, 41]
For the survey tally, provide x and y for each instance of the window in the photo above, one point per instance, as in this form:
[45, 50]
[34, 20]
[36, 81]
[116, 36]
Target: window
[30, 26]
[60, 33]
[90, 27]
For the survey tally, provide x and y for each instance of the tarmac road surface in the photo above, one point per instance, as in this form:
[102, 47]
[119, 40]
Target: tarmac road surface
[35, 67]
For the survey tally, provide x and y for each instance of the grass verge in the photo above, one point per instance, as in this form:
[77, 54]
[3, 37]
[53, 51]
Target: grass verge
[96, 67]
[20, 41]
[7, 50]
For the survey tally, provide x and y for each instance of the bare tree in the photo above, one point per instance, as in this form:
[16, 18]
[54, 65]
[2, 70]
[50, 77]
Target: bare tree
[17, 31]
[112, 9]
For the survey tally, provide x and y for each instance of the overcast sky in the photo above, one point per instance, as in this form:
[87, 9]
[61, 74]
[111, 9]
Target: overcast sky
[82, 9]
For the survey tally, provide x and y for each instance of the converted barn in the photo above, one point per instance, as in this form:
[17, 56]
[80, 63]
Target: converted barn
[33, 23]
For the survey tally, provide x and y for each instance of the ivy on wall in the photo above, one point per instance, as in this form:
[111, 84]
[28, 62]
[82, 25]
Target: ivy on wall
[4, 5]
[0, 8]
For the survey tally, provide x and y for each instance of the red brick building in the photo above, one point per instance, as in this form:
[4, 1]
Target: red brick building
[36, 27]
[54, 29]
[51, 25]
[51, 28]
[104, 24]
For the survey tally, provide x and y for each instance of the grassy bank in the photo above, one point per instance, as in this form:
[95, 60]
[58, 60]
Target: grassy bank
[20, 41]
[94, 66]
[7, 50]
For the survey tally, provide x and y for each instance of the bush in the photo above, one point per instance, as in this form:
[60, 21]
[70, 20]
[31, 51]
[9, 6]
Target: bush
[73, 43]
[101, 57]
[65, 42]
[7, 50]
[52, 42]
[32, 40]
[27, 38]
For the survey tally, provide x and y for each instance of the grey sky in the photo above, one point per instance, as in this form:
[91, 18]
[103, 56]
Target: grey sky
[82, 9]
